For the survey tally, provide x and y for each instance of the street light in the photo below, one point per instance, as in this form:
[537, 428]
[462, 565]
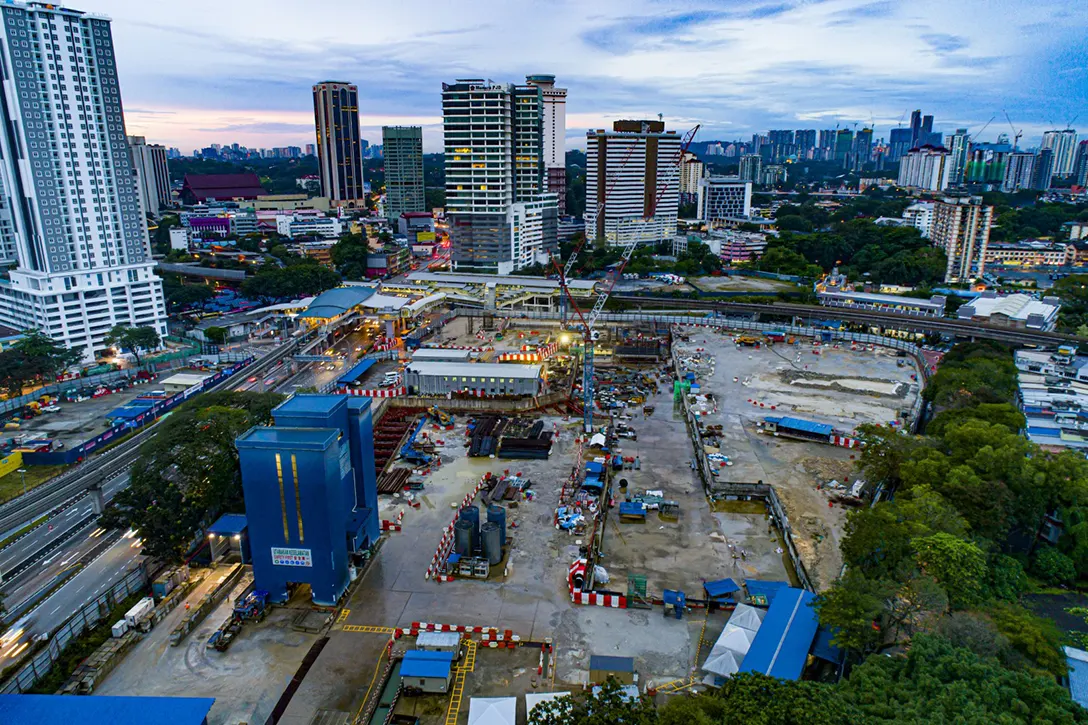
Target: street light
[22, 472]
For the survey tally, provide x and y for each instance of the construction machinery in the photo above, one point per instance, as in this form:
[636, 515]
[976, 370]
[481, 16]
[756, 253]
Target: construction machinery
[440, 416]
[587, 321]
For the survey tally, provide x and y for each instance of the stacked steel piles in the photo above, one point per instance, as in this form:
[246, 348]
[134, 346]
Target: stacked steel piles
[485, 436]
[389, 433]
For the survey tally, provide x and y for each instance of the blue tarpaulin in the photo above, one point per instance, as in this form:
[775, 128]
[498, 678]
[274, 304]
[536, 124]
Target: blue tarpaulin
[720, 588]
[769, 589]
[800, 424]
[782, 643]
[825, 649]
[353, 375]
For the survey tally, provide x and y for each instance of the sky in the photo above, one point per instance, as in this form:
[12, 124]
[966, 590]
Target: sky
[200, 72]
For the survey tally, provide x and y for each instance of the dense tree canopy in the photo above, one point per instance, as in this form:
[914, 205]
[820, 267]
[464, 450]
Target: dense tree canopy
[349, 256]
[133, 339]
[188, 473]
[301, 278]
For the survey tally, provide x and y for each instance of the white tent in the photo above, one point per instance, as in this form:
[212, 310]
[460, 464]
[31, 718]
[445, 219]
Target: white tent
[492, 710]
[747, 617]
[597, 441]
[532, 699]
[728, 651]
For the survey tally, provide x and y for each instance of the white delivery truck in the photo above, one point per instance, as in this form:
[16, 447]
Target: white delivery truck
[141, 610]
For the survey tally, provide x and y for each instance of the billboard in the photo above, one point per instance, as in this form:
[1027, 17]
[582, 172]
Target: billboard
[424, 237]
[291, 557]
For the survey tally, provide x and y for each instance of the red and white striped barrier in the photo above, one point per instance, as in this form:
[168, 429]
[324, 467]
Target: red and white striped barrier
[375, 392]
[845, 442]
[615, 601]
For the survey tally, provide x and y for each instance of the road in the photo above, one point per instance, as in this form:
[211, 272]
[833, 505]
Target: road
[95, 578]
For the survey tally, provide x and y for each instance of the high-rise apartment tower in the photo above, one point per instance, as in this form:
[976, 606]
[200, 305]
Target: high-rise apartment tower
[402, 147]
[70, 217]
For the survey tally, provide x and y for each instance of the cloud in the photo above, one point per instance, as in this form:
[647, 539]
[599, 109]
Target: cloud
[737, 66]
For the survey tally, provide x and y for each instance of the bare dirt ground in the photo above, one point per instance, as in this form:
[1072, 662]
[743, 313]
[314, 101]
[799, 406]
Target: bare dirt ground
[743, 284]
[838, 386]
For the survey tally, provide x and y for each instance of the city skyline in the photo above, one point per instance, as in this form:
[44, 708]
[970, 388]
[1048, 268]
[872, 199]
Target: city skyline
[737, 68]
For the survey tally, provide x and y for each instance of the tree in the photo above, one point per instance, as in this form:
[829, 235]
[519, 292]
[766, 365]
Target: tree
[937, 682]
[1034, 642]
[217, 335]
[188, 295]
[957, 565]
[610, 706]
[1052, 566]
[47, 357]
[133, 338]
[296, 280]
[917, 605]
[349, 256]
[188, 473]
[852, 608]
[756, 699]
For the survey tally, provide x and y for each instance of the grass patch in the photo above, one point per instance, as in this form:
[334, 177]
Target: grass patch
[82, 647]
[11, 485]
[20, 532]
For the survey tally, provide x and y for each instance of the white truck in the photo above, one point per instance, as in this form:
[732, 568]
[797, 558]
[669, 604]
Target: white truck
[141, 610]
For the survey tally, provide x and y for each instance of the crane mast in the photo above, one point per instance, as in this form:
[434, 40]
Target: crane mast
[589, 335]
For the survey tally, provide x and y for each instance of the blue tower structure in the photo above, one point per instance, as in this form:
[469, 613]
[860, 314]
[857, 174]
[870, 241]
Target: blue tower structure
[311, 494]
[351, 416]
[295, 509]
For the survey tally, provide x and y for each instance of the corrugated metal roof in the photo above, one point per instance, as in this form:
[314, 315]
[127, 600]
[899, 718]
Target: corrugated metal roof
[356, 372]
[424, 668]
[1077, 659]
[611, 663]
[808, 426]
[438, 639]
[783, 641]
[16, 709]
[228, 525]
[478, 370]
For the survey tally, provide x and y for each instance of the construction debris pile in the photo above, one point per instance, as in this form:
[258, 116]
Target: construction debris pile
[616, 389]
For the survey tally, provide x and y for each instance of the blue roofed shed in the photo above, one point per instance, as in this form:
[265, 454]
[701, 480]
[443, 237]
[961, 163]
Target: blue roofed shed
[798, 426]
[130, 411]
[229, 535]
[757, 588]
[102, 710]
[781, 645]
[721, 591]
[353, 375]
[429, 671]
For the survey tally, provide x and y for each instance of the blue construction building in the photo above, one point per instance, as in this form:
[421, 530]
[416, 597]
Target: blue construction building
[311, 494]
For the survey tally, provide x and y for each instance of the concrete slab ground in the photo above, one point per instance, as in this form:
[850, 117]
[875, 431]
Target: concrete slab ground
[246, 680]
[744, 284]
[77, 422]
[532, 600]
[838, 386]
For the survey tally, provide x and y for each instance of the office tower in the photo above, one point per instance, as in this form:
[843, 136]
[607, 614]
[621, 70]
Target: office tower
[899, 143]
[501, 217]
[915, 128]
[404, 190]
[957, 146]
[310, 494]
[691, 171]
[1044, 169]
[927, 128]
[844, 144]
[633, 177]
[1019, 172]
[750, 166]
[339, 148]
[723, 199]
[310, 149]
[1080, 165]
[961, 227]
[925, 168]
[863, 147]
[152, 174]
[805, 139]
[554, 114]
[1064, 145]
[70, 217]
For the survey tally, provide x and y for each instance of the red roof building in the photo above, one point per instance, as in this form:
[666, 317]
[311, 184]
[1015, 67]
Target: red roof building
[221, 187]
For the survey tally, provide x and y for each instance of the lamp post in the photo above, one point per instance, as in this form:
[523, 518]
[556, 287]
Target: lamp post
[22, 472]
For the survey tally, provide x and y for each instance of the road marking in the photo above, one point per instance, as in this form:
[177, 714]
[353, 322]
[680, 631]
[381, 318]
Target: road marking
[55, 609]
[72, 512]
[367, 629]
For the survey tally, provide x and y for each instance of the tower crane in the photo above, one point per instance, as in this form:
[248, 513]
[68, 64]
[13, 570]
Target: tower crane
[1016, 134]
[588, 321]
